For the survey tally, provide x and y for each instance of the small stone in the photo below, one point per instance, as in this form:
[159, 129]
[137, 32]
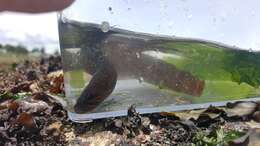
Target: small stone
[143, 138]
[13, 105]
[131, 111]
[55, 125]
[145, 122]
[241, 109]
[152, 127]
[31, 75]
[118, 123]
[256, 116]
[67, 129]
[258, 105]
[56, 133]
[26, 120]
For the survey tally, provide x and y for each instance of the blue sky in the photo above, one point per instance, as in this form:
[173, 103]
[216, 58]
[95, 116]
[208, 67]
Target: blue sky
[234, 22]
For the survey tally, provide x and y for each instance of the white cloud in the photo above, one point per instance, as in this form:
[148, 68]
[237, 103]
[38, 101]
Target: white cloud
[30, 30]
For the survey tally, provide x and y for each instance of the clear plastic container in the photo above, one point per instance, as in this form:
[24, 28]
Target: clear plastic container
[164, 55]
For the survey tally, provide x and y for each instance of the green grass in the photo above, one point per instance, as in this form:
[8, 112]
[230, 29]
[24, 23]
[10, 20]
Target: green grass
[225, 90]
[202, 60]
[228, 74]
[76, 78]
[8, 60]
[219, 137]
[212, 62]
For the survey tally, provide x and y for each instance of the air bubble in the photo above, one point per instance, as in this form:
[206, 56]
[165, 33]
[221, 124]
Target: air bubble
[63, 19]
[110, 10]
[170, 25]
[214, 20]
[253, 13]
[160, 86]
[190, 16]
[223, 19]
[138, 55]
[105, 27]
[141, 79]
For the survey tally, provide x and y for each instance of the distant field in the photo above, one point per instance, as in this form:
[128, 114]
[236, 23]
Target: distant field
[7, 58]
